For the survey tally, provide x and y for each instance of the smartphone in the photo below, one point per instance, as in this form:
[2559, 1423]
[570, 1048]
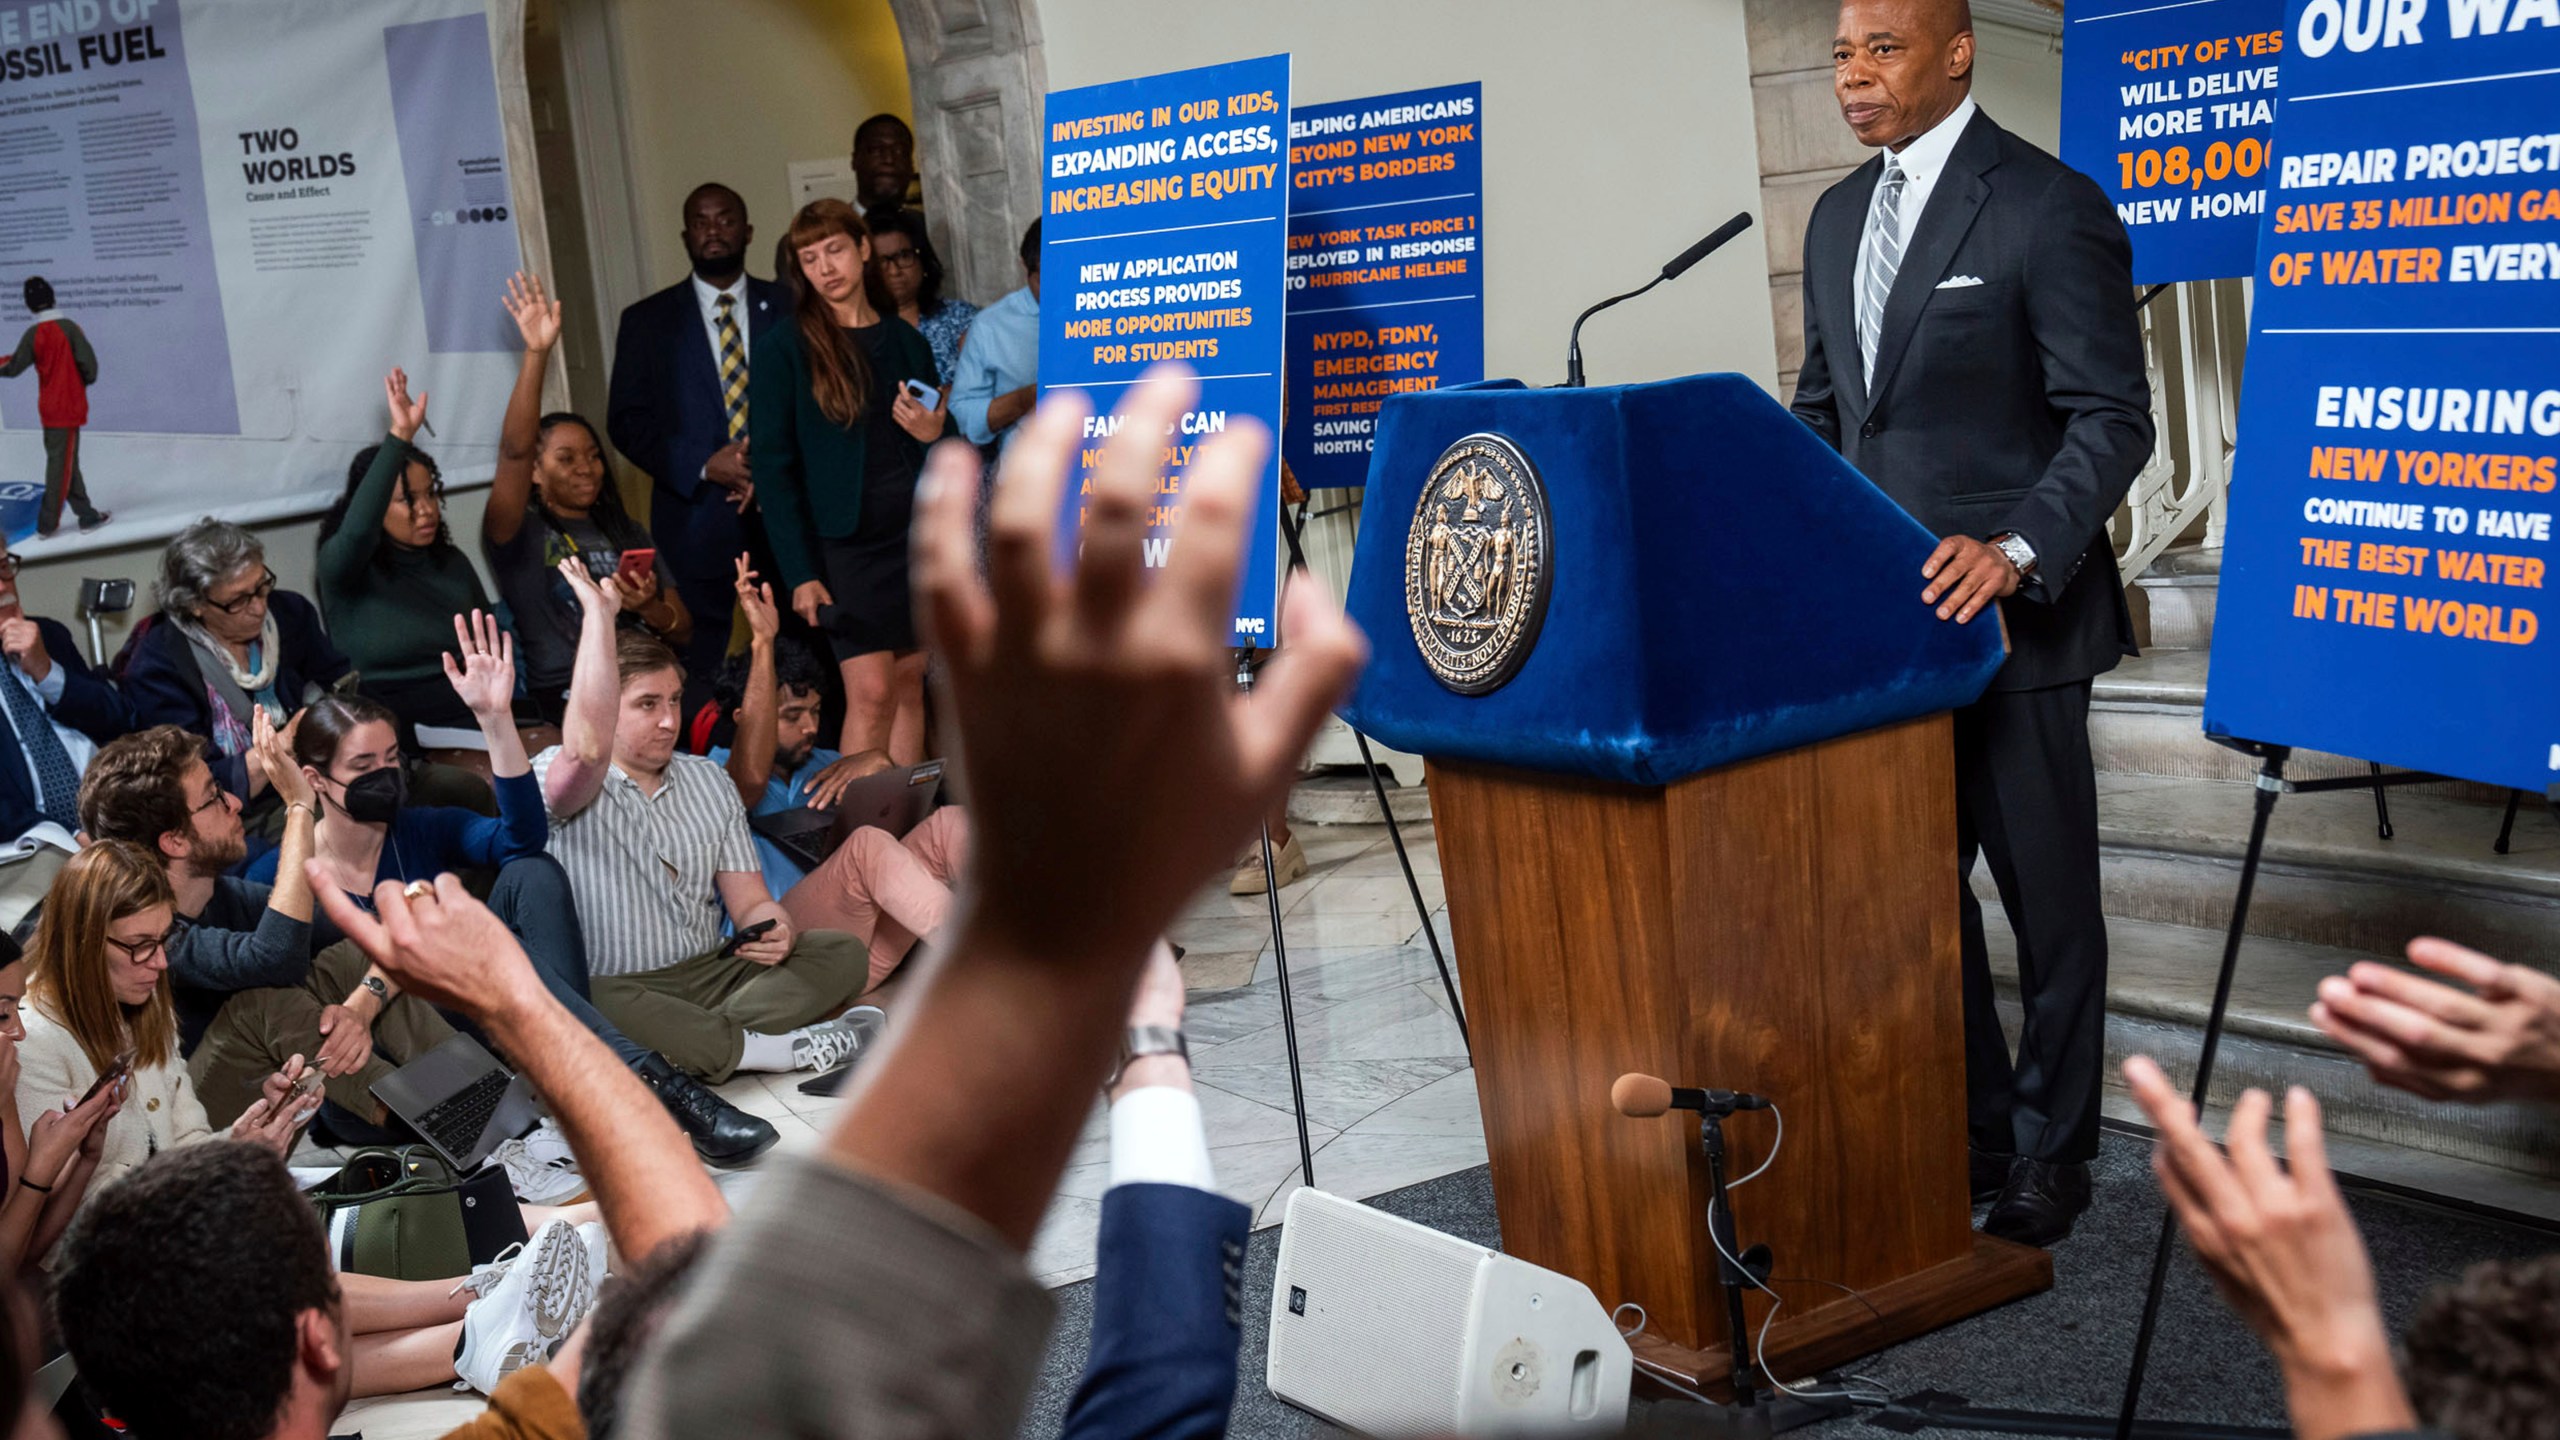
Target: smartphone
[922, 393]
[634, 564]
[120, 1068]
[748, 936]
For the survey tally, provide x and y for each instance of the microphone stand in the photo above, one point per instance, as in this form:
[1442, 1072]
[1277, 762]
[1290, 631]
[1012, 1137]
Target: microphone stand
[1751, 1413]
[1573, 351]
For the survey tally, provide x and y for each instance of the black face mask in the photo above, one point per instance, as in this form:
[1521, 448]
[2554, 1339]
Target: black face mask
[377, 795]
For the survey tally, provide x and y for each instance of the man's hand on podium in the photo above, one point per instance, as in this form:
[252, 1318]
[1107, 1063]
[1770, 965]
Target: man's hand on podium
[1965, 574]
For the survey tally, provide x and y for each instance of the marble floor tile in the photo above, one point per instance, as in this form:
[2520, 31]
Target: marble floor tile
[1394, 1024]
[1214, 1019]
[751, 1094]
[1340, 1093]
[1369, 895]
[1444, 1109]
[1380, 859]
[1325, 927]
[1359, 1166]
[1062, 1253]
[1327, 973]
[1218, 970]
[1216, 933]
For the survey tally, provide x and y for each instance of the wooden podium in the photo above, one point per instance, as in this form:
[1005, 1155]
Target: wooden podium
[1678, 846]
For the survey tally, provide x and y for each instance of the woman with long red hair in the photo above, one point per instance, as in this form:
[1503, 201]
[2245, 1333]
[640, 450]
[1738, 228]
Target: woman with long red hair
[836, 439]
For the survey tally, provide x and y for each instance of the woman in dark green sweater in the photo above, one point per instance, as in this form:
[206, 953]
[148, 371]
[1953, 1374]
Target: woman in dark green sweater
[835, 442]
[391, 578]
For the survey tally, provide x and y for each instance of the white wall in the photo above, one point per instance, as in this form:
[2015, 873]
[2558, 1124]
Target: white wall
[734, 91]
[2017, 77]
[1615, 133]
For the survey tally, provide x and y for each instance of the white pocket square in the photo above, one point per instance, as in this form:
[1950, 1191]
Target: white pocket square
[1959, 282]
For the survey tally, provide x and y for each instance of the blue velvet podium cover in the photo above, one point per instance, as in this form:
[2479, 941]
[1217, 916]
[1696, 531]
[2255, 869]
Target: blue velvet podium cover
[1725, 586]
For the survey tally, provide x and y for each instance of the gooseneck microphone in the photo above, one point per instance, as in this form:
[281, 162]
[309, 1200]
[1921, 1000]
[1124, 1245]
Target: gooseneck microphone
[1679, 266]
[1641, 1096]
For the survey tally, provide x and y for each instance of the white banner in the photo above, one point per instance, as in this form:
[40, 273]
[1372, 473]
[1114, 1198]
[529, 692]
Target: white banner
[254, 208]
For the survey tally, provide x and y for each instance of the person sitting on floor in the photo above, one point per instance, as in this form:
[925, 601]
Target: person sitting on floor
[368, 834]
[888, 891]
[658, 853]
[52, 1161]
[391, 580]
[98, 993]
[248, 1333]
[554, 499]
[249, 991]
[225, 645]
[58, 712]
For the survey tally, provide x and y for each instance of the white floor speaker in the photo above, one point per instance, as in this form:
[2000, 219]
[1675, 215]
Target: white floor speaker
[1392, 1329]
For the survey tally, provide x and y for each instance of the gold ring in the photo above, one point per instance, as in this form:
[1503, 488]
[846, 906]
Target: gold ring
[418, 890]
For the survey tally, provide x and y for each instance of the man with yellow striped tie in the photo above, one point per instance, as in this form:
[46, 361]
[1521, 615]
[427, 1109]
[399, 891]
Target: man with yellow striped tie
[678, 410]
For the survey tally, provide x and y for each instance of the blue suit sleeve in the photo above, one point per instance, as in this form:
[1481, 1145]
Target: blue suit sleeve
[90, 703]
[1165, 1322]
[458, 837]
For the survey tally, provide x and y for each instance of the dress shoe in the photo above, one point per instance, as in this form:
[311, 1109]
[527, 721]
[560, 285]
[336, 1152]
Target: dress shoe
[2039, 1203]
[1990, 1171]
[722, 1134]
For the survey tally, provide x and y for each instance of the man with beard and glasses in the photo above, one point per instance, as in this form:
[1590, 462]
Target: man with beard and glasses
[249, 992]
[678, 410]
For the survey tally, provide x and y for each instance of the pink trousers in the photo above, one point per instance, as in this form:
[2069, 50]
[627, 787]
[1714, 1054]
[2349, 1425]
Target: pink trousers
[887, 891]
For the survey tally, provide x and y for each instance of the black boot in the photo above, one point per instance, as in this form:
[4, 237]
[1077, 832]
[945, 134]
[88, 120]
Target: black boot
[722, 1134]
[1989, 1172]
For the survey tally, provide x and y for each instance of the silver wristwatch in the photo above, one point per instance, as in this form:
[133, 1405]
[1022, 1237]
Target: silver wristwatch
[2020, 553]
[1140, 1041]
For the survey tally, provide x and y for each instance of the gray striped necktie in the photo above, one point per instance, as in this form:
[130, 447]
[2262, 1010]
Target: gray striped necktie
[1883, 258]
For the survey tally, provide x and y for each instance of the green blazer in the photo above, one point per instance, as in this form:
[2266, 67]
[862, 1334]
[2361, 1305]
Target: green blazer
[808, 469]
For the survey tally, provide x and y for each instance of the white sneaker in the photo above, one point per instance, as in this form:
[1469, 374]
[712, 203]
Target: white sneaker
[522, 1318]
[832, 1043]
[599, 1250]
[539, 1167]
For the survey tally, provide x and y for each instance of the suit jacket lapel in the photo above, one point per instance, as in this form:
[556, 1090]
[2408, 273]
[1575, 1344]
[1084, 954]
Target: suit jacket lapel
[1835, 274]
[1953, 204]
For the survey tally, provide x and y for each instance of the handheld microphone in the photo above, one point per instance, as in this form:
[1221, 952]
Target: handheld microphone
[1641, 1096]
[1679, 266]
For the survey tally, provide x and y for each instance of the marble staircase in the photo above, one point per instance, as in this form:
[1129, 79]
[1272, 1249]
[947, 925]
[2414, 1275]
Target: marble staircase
[2174, 813]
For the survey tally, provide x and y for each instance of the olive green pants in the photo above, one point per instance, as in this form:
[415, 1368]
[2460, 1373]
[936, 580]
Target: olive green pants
[697, 1012]
[256, 1031]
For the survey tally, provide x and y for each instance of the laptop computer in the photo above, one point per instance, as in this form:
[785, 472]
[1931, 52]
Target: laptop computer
[896, 800]
[460, 1100]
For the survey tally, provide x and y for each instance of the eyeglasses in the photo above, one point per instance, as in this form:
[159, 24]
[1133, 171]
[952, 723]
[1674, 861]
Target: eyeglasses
[898, 258]
[216, 798]
[434, 496]
[141, 951]
[8, 567]
[256, 594]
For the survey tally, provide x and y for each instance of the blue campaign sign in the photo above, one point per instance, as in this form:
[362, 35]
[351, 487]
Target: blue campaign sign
[1386, 266]
[2384, 589]
[1162, 239]
[2168, 106]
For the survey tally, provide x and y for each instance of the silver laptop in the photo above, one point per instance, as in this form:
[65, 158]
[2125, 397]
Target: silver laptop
[460, 1100]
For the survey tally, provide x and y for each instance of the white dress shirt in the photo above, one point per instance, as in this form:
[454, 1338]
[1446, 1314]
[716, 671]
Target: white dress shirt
[708, 296]
[1922, 162]
[1157, 1138]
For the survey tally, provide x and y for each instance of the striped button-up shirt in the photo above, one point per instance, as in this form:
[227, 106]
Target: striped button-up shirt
[642, 866]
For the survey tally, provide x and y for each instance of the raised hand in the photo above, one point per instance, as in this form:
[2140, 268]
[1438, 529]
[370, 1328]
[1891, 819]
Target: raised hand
[1069, 689]
[271, 753]
[486, 676]
[537, 317]
[406, 414]
[442, 945]
[755, 601]
[594, 596]
[2494, 1034]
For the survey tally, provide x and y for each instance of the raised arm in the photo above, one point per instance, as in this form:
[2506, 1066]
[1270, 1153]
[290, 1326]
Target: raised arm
[520, 434]
[484, 675]
[577, 773]
[751, 748]
[345, 553]
[449, 950]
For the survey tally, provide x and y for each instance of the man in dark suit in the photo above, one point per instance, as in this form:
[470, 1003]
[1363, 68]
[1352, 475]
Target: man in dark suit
[1971, 345]
[54, 714]
[678, 410]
